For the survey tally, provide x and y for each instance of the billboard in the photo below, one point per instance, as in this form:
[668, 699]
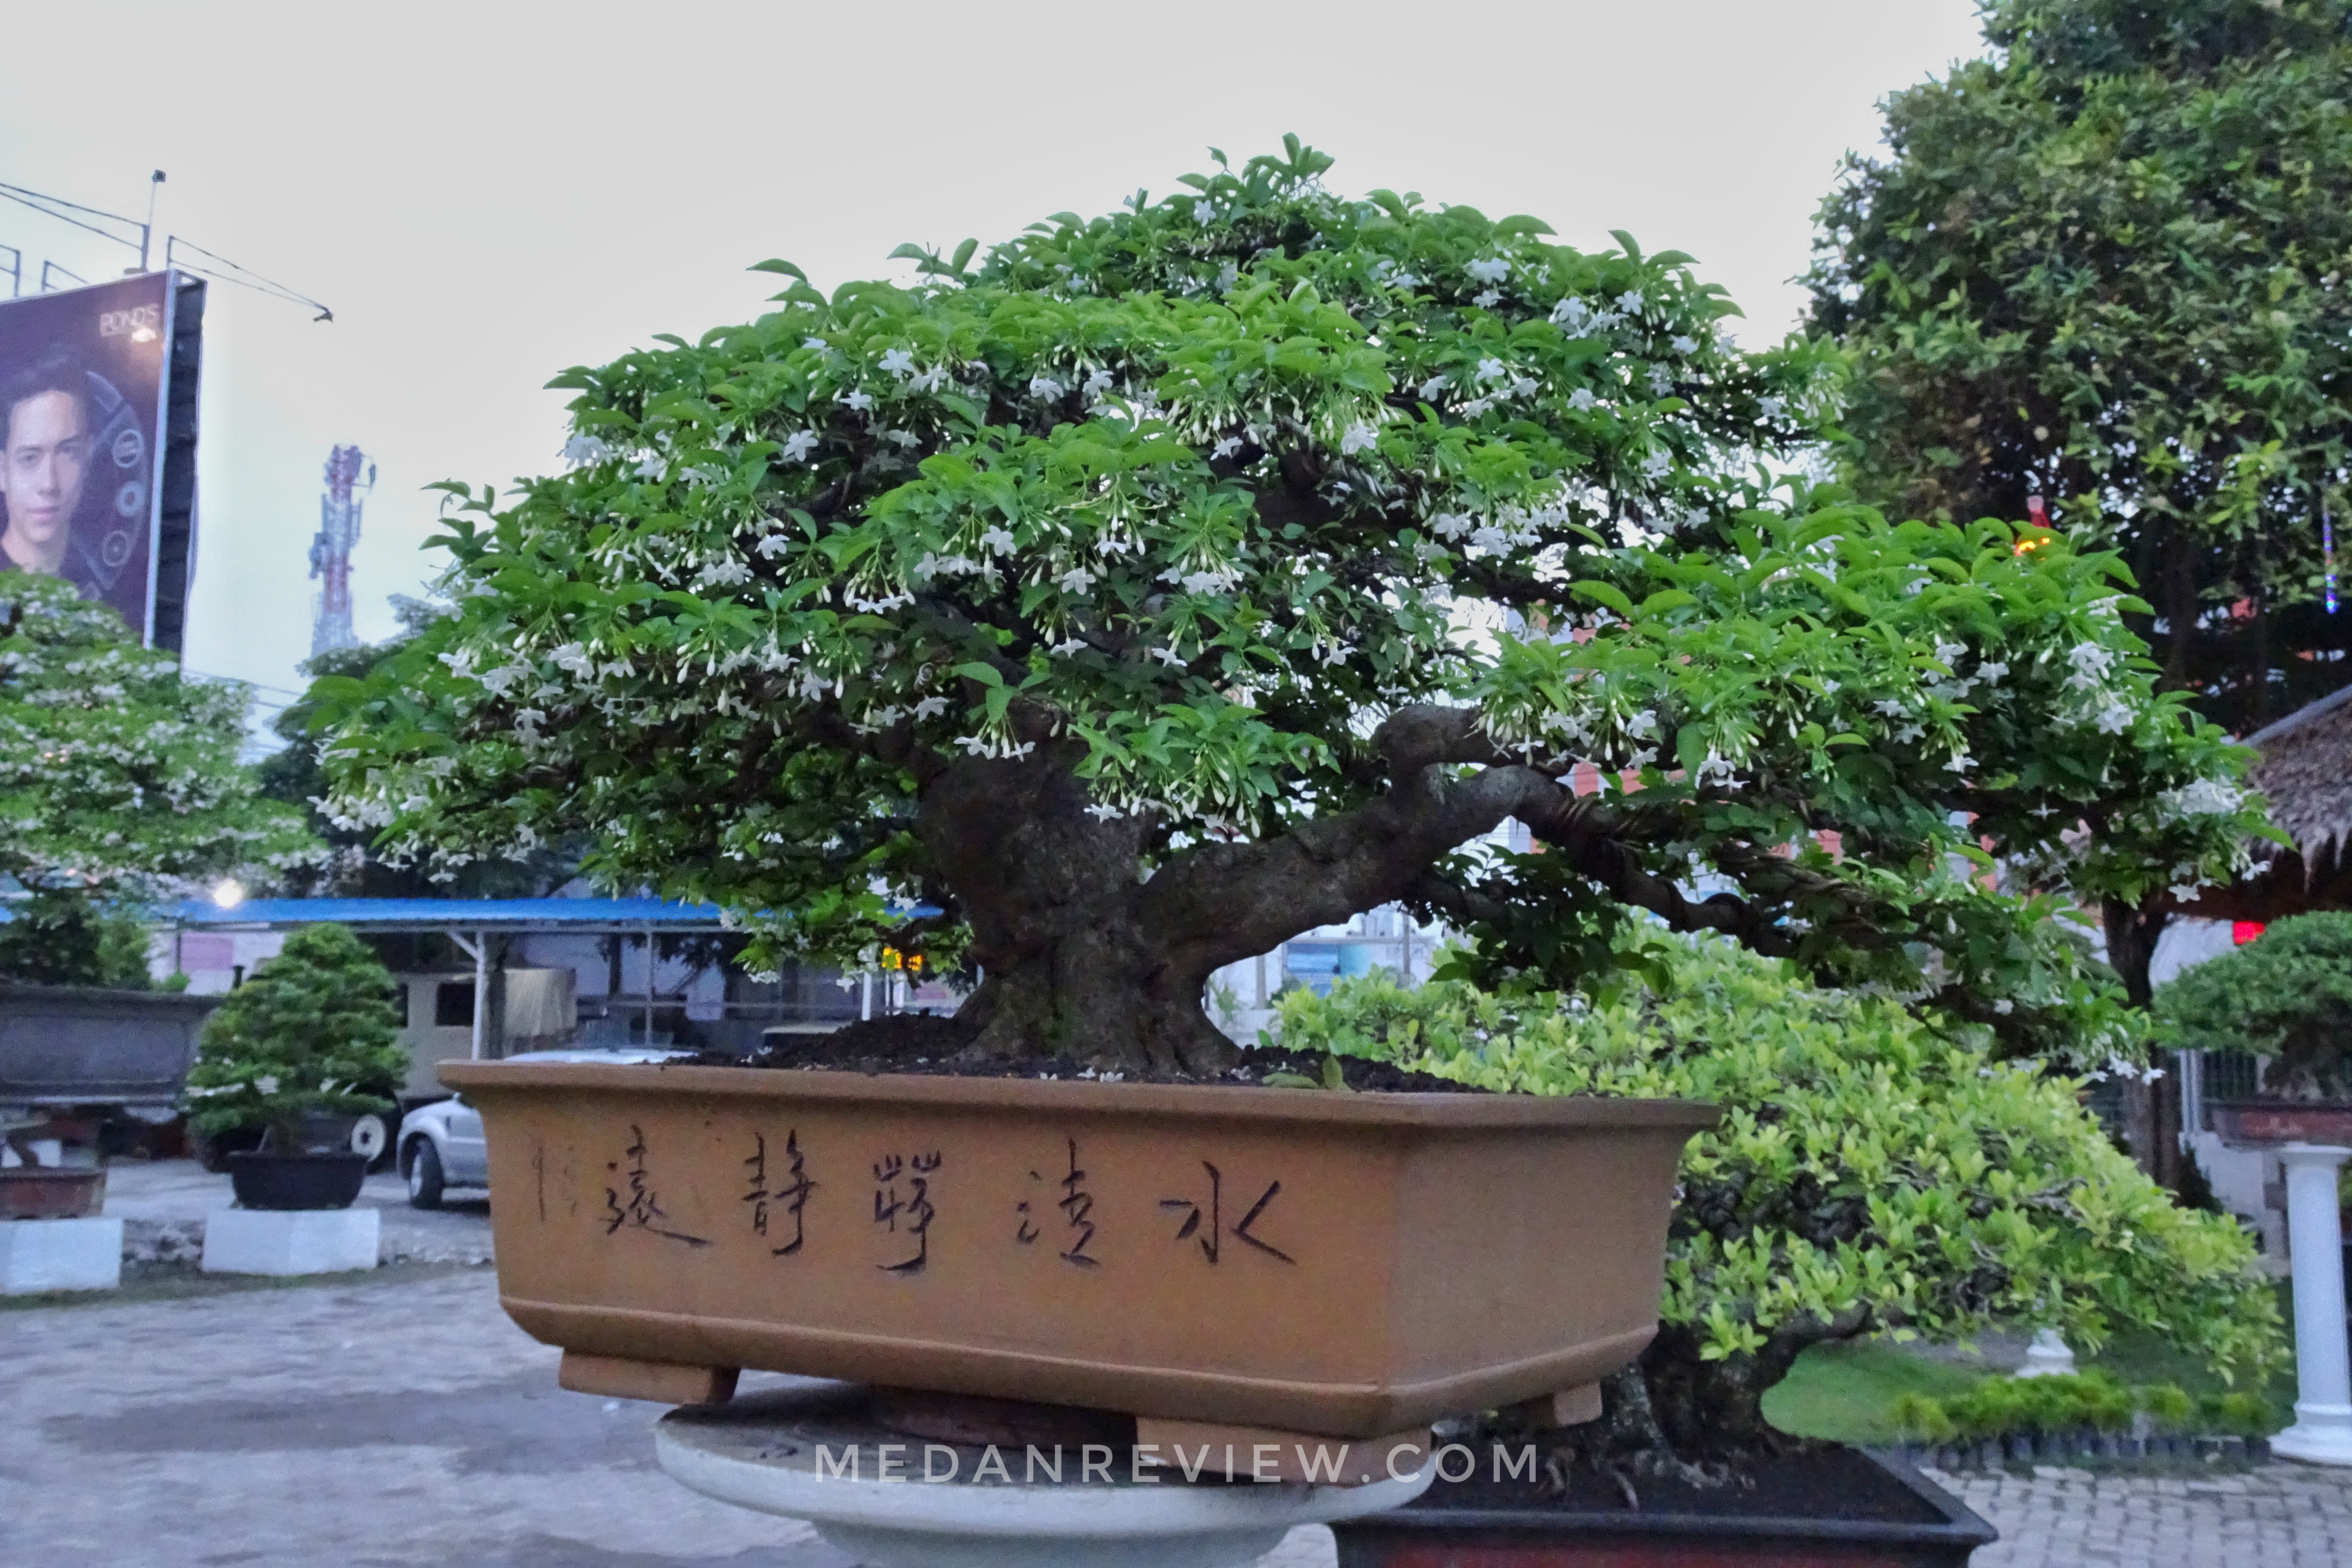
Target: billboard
[97, 443]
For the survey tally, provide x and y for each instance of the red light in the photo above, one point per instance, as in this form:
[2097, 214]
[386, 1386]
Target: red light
[2244, 932]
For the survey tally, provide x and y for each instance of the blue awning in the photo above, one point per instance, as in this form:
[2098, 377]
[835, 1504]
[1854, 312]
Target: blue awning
[451, 914]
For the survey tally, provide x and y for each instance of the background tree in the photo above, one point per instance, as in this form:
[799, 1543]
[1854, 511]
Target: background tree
[120, 782]
[1280, 545]
[2107, 266]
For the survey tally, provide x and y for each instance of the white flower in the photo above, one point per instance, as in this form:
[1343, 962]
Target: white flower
[1771, 407]
[1099, 811]
[799, 445]
[1097, 384]
[1167, 656]
[1581, 399]
[1432, 387]
[1487, 300]
[814, 343]
[1684, 343]
[582, 450]
[2004, 1006]
[2205, 797]
[931, 707]
[899, 362]
[1961, 762]
[1892, 707]
[1204, 212]
[652, 468]
[2114, 719]
[2090, 664]
[1947, 654]
[267, 1083]
[1357, 437]
[974, 745]
[1990, 672]
[1491, 538]
[1570, 312]
[1450, 525]
[1076, 580]
[997, 541]
[856, 398]
[1655, 464]
[1493, 269]
[1226, 447]
[1492, 370]
[1046, 387]
[1067, 646]
[1662, 380]
[1630, 301]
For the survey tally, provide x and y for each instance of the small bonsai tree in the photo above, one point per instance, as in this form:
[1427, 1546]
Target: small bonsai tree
[311, 1032]
[1166, 584]
[1871, 1173]
[2287, 996]
[119, 785]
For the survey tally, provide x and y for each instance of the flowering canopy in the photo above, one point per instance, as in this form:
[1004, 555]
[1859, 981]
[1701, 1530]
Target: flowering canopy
[1277, 545]
[119, 778]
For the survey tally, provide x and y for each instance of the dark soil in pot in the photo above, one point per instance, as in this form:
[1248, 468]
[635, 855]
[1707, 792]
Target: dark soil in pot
[269, 1180]
[921, 1044]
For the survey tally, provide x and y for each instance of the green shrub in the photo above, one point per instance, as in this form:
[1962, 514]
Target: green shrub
[1869, 1174]
[2287, 996]
[312, 1032]
[64, 937]
[2091, 1401]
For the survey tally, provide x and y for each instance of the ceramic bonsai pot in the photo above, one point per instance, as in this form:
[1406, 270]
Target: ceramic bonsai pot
[272, 1181]
[2254, 1123]
[1334, 1263]
[46, 1191]
[1929, 1529]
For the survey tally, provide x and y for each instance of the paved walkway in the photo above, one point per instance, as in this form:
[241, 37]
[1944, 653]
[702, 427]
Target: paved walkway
[2282, 1515]
[403, 1423]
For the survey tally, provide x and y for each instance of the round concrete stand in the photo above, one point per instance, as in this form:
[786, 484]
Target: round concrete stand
[762, 1452]
[2322, 1433]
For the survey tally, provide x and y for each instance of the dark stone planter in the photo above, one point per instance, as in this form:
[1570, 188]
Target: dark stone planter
[297, 1180]
[46, 1193]
[1942, 1535]
[76, 1046]
[2256, 1123]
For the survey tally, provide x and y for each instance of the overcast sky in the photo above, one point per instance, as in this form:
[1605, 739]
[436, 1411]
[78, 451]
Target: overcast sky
[486, 193]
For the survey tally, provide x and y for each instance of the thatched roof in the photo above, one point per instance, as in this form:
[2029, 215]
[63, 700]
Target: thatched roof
[2305, 773]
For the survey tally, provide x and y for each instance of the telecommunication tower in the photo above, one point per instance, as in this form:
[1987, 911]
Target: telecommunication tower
[331, 552]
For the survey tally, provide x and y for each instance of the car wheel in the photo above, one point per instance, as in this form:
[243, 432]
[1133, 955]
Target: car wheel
[424, 1175]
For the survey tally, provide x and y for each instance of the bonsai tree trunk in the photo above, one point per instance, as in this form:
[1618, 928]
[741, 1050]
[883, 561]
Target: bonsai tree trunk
[1069, 963]
[2151, 1110]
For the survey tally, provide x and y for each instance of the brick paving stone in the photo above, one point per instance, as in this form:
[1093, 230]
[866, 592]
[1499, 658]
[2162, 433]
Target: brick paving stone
[2280, 1516]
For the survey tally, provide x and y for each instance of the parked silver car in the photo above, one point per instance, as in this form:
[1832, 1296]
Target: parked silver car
[441, 1144]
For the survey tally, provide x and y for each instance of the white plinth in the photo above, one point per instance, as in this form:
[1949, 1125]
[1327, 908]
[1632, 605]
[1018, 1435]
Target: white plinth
[38, 1255]
[2047, 1356]
[773, 1466]
[2322, 1433]
[291, 1241]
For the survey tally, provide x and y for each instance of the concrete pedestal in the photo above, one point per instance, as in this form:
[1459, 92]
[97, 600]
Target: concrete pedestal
[2048, 1356]
[38, 1255]
[809, 1455]
[2322, 1433]
[291, 1241]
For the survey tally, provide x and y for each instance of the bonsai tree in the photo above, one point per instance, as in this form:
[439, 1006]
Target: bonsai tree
[1872, 1173]
[1161, 584]
[311, 1032]
[2287, 996]
[119, 784]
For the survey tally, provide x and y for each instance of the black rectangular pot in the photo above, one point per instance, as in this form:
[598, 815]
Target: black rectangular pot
[1418, 1537]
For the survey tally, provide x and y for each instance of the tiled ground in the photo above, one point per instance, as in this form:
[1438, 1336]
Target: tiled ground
[2283, 1515]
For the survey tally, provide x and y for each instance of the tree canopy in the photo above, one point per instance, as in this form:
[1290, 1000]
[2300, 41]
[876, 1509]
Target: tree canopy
[1158, 586]
[119, 780]
[2287, 996]
[2107, 266]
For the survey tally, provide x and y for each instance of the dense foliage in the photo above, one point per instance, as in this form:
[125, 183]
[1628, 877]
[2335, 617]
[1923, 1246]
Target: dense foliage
[1277, 545]
[2287, 996]
[2081, 1402]
[1869, 1174]
[55, 936]
[2107, 266]
[119, 780]
[313, 1031]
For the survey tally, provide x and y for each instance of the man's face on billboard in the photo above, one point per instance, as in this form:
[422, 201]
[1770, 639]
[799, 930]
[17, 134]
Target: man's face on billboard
[42, 471]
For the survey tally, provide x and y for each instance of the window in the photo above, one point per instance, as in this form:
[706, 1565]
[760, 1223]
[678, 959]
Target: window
[453, 1005]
